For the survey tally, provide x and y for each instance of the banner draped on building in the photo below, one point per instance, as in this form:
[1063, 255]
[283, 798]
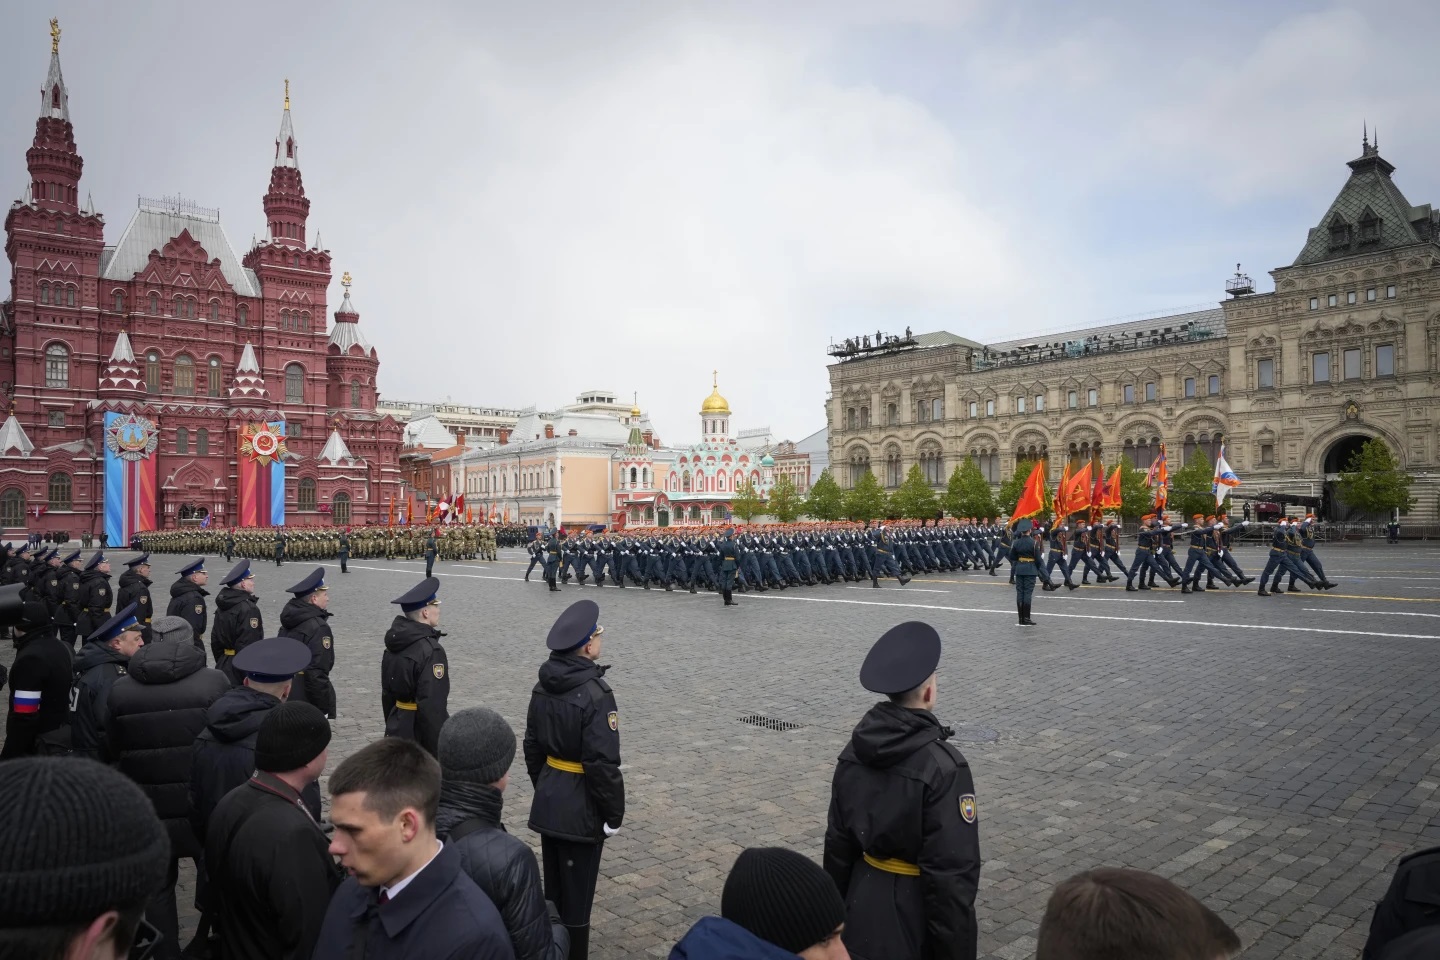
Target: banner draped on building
[262, 475]
[130, 443]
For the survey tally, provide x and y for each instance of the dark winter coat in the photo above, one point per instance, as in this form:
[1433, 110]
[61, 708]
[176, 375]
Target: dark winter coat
[501, 865]
[237, 625]
[307, 623]
[136, 589]
[62, 591]
[440, 915]
[94, 602]
[414, 683]
[1411, 902]
[224, 753]
[270, 874]
[43, 668]
[714, 938]
[156, 711]
[901, 793]
[187, 601]
[573, 719]
[96, 670]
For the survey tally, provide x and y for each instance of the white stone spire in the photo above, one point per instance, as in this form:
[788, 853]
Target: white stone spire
[335, 449]
[54, 99]
[13, 438]
[121, 372]
[287, 148]
[248, 383]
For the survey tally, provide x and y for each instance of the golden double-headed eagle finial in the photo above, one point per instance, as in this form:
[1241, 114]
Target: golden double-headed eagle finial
[345, 281]
[287, 93]
[54, 34]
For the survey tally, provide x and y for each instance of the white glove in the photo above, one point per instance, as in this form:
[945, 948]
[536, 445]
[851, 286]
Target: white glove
[609, 830]
[1184, 525]
[1089, 553]
[1219, 553]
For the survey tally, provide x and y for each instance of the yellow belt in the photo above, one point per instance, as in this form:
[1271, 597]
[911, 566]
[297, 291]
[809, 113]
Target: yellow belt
[569, 766]
[406, 705]
[898, 867]
[228, 653]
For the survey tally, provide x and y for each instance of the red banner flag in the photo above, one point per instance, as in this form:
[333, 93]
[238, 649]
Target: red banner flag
[1077, 492]
[1112, 490]
[1032, 497]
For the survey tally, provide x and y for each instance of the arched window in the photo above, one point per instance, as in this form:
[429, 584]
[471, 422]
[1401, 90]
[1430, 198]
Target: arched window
[294, 383]
[305, 499]
[685, 482]
[893, 475]
[44, 292]
[154, 304]
[57, 365]
[214, 309]
[152, 372]
[859, 465]
[184, 376]
[212, 379]
[179, 307]
[12, 508]
[340, 509]
[932, 462]
[119, 301]
[354, 393]
[645, 476]
[182, 440]
[1189, 448]
[69, 296]
[202, 442]
[634, 476]
[242, 315]
[60, 491]
[864, 416]
[305, 320]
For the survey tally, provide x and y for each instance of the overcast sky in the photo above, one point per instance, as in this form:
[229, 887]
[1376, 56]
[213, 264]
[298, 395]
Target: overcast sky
[540, 198]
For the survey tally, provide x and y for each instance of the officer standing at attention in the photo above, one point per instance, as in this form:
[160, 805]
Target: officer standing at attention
[230, 545]
[552, 561]
[237, 619]
[573, 731]
[66, 597]
[414, 684]
[279, 547]
[187, 598]
[94, 595]
[432, 546]
[306, 618]
[135, 588]
[344, 553]
[1024, 568]
[902, 843]
[729, 563]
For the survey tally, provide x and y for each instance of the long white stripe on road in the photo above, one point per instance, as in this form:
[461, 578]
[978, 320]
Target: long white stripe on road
[1091, 616]
[907, 590]
[1372, 613]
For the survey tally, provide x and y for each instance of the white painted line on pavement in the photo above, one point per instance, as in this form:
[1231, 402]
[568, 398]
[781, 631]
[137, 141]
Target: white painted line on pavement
[1373, 613]
[907, 590]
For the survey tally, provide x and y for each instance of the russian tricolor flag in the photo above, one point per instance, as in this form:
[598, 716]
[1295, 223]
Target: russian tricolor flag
[27, 701]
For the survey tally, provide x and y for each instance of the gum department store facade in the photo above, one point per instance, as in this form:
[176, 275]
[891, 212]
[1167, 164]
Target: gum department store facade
[1346, 348]
[171, 325]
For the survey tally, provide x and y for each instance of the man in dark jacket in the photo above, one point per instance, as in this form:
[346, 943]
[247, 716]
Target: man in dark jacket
[902, 843]
[776, 905]
[94, 595]
[237, 619]
[306, 618]
[102, 661]
[270, 872]
[40, 681]
[187, 598]
[477, 747]
[414, 682]
[1411, 902]
[135, 588]
[406, 896]
[63, 592]
[573, 730]
[156, 711]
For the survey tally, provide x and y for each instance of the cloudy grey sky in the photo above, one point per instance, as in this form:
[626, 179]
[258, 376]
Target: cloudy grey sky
[539, 198]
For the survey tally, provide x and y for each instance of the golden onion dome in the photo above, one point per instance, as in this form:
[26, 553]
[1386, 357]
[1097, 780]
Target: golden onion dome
[715, 403]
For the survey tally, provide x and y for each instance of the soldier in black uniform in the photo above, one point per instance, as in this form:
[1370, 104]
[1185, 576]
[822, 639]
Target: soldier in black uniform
[552, 560]
[729, 563]
[902, 842]
[306, 618]
[414, 684]
[237, 619]
[64, 597]
[94, 595]
[135, 588]
[572, 754]
[187, 598]
[344, 560]
[432, 546]
[279, 547]
[101, 662]
[39, 682]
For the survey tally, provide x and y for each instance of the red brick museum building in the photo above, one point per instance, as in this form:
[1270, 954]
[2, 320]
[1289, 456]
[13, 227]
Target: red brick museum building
[171, 325]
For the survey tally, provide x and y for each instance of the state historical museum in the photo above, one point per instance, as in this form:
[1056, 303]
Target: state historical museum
[164, 381]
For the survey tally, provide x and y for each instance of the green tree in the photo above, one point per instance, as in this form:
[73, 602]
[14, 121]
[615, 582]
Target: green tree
[746, 504]
[826, 500]
[1010, 490]
[968, 493]
[1192, 486]
[866, 500]
[1373, 481]
[914, 499]
[1135, 497]
[785, 502]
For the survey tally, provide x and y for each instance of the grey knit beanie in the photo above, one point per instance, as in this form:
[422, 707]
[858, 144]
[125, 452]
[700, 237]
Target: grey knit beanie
[80, 839]
[163, 629]
[476, 746]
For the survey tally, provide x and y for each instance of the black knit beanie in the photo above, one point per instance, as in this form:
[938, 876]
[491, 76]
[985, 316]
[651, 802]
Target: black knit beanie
[782, 897]
[290, 736]
[476, 746]
[77, 839]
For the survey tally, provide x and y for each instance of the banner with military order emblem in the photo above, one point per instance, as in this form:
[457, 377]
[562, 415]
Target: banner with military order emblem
[130, 443]
[262, 474]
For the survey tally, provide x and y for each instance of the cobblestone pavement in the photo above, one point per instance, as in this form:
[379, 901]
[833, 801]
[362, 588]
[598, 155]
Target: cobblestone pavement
[1275, 756]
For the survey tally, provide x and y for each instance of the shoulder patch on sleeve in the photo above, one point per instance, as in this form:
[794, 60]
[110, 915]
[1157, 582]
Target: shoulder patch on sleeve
[614, 720]
[199, 608]
[325, 642]
[254, 623]
[439, 671]
[968, 813]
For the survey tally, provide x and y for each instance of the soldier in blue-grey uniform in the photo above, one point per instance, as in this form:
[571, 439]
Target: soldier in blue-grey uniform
[902, 842]
[1024, 568]
[414, 675]
[729, 563]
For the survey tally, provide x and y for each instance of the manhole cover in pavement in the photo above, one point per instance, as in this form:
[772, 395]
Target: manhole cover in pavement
[769, 723]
